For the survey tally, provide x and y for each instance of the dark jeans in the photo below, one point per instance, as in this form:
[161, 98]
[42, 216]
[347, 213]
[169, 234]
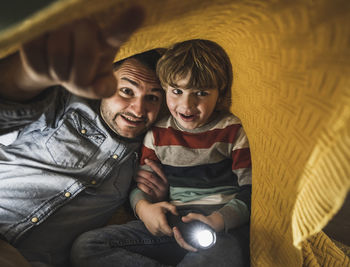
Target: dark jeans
[132, 245]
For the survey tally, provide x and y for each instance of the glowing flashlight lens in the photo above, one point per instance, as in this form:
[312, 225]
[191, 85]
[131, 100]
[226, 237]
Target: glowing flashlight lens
[195, 233]
[205, 238]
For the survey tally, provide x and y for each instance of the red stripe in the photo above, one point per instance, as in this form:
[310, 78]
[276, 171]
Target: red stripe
[149, 154]
[241, 158]
[172, 137]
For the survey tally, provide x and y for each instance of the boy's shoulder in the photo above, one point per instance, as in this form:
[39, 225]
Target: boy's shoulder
[226, 119]
[164, 122]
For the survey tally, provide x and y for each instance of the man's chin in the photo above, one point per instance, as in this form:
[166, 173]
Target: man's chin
[129, 133]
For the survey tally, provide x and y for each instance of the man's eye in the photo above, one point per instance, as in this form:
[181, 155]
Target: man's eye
[127, 91]
[202, 93]
[177, 91]
[152, 98]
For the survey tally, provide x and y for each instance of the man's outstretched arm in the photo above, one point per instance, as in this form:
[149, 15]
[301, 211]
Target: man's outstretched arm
[78, 56]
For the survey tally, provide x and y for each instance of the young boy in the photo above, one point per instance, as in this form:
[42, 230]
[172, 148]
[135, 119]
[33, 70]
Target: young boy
[204, 153]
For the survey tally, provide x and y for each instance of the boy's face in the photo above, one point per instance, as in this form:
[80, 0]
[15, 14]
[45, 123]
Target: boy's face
[191, 108]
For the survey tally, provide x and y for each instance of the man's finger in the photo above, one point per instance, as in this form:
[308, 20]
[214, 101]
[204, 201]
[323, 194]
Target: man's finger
[146, 189]
[105, 85]
[157, 169]
[86, 57]
[59, 51]
[149, 179]
[146, 178]
[34, 58]
[119, 31]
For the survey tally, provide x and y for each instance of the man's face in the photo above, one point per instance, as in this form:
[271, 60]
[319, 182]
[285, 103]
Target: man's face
[137, 101]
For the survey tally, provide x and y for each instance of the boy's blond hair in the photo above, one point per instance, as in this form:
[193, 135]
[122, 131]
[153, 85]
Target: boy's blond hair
[205, 60]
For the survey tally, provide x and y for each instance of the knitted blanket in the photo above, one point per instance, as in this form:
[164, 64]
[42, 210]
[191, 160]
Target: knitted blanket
[291, 89]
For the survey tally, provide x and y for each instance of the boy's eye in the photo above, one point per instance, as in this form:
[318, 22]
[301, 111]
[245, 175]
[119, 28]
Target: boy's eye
[202, 93]
[127, 91]
[177, 91]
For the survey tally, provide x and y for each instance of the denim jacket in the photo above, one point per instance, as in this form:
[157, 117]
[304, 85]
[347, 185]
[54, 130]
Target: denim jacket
[63, 147]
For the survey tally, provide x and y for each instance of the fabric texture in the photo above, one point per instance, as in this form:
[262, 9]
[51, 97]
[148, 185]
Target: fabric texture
[291, 70]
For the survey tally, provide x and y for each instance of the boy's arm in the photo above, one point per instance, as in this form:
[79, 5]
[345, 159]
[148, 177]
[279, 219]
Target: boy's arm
[237, 211]
[150, 177]
[234, 214]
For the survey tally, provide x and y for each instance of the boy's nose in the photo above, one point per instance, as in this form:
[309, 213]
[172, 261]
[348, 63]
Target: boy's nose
[188, 101]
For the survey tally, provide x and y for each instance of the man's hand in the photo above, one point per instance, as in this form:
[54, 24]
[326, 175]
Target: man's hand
[154, 184]
[153, 216]
[78, 56]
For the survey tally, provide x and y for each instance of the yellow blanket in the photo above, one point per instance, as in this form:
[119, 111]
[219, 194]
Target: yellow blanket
[291, 65]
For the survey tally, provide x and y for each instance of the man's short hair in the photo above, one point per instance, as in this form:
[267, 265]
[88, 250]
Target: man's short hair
[148, 59]
[206, 61]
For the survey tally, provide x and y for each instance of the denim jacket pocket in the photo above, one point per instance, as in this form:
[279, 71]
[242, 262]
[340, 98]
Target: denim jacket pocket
[75, 141]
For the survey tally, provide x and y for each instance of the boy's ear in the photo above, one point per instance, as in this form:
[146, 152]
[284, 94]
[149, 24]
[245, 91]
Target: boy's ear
[223, 103]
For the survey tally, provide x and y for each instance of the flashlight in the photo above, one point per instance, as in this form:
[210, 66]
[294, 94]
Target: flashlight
[196, 233]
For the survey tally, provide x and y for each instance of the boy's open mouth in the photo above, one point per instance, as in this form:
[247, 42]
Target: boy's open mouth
[187, 117]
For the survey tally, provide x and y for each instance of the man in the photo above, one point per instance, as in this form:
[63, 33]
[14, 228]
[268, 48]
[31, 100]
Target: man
[73, 160]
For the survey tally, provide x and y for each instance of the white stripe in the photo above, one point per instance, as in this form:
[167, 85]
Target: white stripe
[244, 176]
[166, 123]
[179, 156]
[228, 120]
[241, 140]
[148, 140]
[209, 200]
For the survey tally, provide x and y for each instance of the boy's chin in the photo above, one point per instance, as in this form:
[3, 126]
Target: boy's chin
[189, 126]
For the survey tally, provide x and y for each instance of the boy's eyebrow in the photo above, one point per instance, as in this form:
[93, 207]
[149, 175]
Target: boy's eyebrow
[155, 89]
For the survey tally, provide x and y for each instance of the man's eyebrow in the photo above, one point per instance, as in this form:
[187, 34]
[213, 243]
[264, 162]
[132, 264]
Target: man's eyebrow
[130, 81]
[155, 89]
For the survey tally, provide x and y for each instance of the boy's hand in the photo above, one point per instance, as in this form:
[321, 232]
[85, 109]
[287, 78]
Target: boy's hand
[154, 218]
[215, 220]
[181, 241]
[78, 56]
[154, 183]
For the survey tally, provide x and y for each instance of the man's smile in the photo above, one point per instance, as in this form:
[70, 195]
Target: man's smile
[132, 120]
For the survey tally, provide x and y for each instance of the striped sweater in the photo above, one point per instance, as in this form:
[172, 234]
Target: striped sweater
[209, 165]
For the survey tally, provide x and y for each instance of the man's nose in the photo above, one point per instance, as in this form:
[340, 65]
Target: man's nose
[138, 107]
